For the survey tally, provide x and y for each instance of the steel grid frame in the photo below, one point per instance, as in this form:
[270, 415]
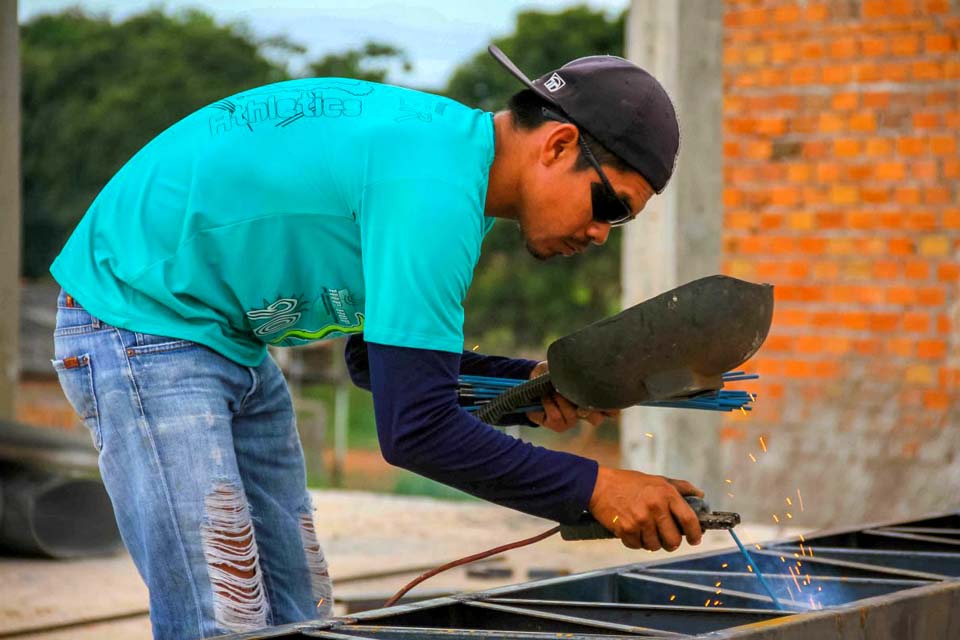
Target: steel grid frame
[886, 581]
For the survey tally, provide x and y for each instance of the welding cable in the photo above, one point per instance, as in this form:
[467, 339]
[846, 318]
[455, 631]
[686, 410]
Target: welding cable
[467, 560]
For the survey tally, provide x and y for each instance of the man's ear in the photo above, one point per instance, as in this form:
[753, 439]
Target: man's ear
[560, 143]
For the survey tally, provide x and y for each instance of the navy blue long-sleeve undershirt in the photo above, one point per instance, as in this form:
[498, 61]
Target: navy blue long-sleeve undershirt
[422, 428]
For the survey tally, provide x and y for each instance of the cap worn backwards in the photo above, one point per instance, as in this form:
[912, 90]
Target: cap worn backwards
[619, 104]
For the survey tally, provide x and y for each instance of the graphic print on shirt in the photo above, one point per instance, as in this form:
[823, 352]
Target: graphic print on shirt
[277, 322]
[330, 99]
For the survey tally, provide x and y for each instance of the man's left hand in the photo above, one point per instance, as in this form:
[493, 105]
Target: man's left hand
[559, 414]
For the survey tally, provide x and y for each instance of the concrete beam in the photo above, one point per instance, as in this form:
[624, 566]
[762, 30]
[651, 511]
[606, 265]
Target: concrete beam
[678, 236]
[9, 205]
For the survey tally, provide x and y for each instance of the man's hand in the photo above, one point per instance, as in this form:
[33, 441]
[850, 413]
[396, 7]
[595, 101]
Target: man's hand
[559, 414]
[644, 511]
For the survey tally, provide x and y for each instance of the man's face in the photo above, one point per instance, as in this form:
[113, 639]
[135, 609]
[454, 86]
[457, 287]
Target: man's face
[556, 214]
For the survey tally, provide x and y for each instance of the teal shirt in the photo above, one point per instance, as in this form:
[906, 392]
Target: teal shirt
[289, 213]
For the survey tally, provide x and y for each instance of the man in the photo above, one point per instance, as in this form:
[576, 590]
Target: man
[320, 208]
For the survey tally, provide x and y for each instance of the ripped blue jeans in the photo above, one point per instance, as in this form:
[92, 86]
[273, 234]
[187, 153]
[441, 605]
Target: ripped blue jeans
[203, 464]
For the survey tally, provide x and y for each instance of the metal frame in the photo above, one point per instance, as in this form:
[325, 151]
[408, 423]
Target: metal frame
[884, 582]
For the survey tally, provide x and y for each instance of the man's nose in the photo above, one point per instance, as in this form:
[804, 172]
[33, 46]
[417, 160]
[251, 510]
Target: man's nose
[598, 232]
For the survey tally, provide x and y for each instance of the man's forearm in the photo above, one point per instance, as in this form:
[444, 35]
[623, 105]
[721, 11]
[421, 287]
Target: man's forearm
[422, 428]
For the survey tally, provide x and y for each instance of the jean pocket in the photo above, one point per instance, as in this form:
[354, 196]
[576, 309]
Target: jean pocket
[76, 379]
[148, 343]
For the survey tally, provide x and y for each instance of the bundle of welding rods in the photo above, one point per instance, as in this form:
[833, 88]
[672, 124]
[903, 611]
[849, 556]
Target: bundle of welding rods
[476, 391]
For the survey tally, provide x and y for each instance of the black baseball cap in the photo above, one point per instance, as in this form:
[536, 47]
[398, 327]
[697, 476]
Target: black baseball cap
[619, 104]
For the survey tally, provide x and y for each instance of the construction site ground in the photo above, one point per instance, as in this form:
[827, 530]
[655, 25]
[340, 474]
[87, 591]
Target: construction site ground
[374, 544]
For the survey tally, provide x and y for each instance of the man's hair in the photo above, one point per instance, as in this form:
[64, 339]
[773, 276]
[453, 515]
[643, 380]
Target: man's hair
[526, 113]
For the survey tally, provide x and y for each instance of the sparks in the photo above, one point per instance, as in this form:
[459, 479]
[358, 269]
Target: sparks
[649, 435]
[718, 584]
[776, 519]
[789, 502]
[763, 445]
[707, 603]
[789, 516]
[476, 347]
[751, 457]
[724, 565]
[728, 481]
[672, 598]
[716, 603]
[800, 500]
[729, 494]
[320, 603]
[749, 568]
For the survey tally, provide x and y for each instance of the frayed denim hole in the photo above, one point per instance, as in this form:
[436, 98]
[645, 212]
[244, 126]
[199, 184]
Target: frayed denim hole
[320, 584]
[239, 598]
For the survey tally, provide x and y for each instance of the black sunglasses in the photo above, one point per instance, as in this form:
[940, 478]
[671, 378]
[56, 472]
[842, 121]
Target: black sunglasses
[607, 206]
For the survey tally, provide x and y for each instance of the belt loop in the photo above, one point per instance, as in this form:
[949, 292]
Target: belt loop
[95, 322]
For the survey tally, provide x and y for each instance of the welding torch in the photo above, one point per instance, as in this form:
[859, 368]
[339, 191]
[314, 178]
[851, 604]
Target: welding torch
[589, 529]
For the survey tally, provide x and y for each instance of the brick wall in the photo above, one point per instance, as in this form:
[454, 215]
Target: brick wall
[841, 168]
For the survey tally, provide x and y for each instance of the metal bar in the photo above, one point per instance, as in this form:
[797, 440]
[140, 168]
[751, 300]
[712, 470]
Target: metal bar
[931, 562]
[930, 530]
[679, 619]
[754, 598]
[914, 537]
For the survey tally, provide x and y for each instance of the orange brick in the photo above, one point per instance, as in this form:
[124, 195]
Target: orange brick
[907, 195]
[804, 74]
[938, 43]
[843, 47]
[901, 295]
[845, 101]
[867, 346]
[901, 246]
[936, 195]
[778, 343]
[837, 74]
[906, 45]
[829, 220]
[878, 147]
[864, 122]
[876, 100]
[817, 12]
[886, 270]
[944, 327]
[797, 172]
[951, 168]
[916, 322]
[808, 344]
[830, 123]
[884, 321]
[926, 120]
[917, 270]
[924, 170]
[755, 56]
[911, 146]
[934, 246]
[812, 246]
[931, 349]
[856, 320]
[943, 145]
[781, 52]
[951, 219]
[846, 147]
[890, 171]
[936, 400]
[873, 46]
[732, 197]
[771, 221]
[949, 272]
[936, 6]
[844, 194]
[926, 70]
[919, 374]
[900, 347]
[931, 296]
[875, 195]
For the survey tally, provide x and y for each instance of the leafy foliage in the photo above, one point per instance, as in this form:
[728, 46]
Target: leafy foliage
[515, 301]
[370, 62]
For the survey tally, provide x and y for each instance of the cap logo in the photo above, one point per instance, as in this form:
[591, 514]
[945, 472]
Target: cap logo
[554, 83]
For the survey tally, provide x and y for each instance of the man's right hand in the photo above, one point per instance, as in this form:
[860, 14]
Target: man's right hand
[645, 511]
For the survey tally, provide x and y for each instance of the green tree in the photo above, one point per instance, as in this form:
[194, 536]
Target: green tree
[516, 302]
[95, 91]
[372, 61]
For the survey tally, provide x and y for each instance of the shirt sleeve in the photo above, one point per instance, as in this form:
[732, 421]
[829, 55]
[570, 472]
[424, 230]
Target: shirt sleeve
[420, 241]
[422, 428]
[471, 363]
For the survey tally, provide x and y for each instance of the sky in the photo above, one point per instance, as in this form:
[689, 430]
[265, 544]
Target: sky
[436, 34]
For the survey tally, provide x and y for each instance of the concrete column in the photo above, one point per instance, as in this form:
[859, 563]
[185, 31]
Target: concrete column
[677, 238]
[9, 205]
